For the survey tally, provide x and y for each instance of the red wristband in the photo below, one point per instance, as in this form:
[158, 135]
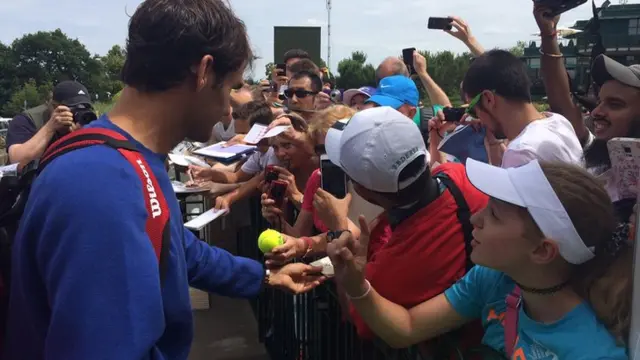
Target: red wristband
[309, 242]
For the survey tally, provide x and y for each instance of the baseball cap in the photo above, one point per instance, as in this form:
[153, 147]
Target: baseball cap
[527, 186]
[374, 146]
[605, 68]
[71, 93]
[367, 91]
[395, 91]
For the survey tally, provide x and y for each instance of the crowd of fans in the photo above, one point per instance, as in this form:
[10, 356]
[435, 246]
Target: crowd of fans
[525, 252]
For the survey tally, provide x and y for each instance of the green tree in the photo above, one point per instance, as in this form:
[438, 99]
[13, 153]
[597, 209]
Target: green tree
[112, 64]
[51, 57]
[447, 70]
[29, 95]
[7, 79]
[355, 72]
[518, 49]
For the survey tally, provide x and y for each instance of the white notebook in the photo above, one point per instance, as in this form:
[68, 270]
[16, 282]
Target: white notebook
[220, 152]
[204, 219]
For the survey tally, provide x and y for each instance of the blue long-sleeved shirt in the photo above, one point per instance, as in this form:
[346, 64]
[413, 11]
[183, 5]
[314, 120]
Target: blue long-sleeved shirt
[85, 280]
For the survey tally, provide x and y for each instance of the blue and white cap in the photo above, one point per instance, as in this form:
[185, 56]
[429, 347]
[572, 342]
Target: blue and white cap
[395, 91]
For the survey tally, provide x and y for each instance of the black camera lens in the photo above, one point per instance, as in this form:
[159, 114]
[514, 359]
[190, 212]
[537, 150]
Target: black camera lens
[84, 117]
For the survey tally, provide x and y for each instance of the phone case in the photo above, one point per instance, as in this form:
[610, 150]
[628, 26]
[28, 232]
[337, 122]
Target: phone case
[625, 166]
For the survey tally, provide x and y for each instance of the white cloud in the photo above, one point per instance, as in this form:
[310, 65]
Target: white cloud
[378, 27]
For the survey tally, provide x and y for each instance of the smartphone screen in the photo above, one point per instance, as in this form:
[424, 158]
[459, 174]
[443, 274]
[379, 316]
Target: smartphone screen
[278, 191]
[281, 69]
[439, 23]
[334, 180]
[452, 114]
[407, 57]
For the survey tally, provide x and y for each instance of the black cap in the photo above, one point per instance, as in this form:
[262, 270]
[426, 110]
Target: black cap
[71, 93]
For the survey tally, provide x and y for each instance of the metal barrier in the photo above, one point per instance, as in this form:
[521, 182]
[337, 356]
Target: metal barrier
[308, 326]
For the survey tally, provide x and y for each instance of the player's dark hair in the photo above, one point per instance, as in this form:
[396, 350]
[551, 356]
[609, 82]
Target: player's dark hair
[168, 37]
[501, 72]
[304, 65]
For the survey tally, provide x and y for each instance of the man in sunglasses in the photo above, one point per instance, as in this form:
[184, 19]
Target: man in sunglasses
[499, 91]
[301, 93]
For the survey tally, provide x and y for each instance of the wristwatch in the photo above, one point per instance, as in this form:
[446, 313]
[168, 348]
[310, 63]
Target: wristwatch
[332, 235]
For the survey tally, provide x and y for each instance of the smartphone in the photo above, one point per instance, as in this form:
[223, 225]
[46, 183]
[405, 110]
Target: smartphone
[407, 57]
[334, 180]
[439, 23]
[277, 192]
[625, 166]
[270, 174]
[281, 69]
[453, 114]
[557, 7]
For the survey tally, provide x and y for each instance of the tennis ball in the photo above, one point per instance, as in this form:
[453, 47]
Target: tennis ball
[268, 240]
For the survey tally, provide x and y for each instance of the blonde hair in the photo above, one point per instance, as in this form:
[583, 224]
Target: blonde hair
[323, 120]
[605, 281]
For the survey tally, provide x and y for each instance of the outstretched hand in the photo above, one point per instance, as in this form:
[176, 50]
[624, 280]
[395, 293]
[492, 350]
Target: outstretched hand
[296, 278]
[349, 258]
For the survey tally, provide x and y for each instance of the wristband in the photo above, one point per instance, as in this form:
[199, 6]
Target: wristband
[366, 293]
[556, 56]
[309, 242]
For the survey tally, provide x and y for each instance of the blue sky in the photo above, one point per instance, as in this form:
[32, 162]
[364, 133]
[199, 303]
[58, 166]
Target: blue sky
[378, 27]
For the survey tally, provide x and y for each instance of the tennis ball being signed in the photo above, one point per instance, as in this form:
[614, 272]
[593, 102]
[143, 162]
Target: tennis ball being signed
[268, 240]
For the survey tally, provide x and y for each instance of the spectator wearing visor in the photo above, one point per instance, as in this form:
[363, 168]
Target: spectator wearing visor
[427, 212]
[536, 287]
[31, 132]
[356, 98]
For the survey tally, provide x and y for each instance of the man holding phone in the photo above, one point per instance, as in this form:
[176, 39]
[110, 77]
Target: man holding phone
[384, 155]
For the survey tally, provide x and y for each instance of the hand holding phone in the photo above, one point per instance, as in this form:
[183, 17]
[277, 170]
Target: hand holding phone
[439, 23]
[407, 58]
[624, 154]
[453, 114]
[277, 192]
[557, 7]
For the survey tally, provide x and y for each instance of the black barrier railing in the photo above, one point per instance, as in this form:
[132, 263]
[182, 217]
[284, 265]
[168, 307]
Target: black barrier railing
[308, 326]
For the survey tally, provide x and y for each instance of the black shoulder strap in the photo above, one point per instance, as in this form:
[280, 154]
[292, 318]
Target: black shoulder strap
[463, 212]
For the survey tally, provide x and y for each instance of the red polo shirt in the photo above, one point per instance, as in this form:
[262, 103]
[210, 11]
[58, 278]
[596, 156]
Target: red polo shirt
[426, 252]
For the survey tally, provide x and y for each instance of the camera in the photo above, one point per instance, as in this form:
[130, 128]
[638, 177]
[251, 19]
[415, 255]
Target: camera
[335, 95]
[83, 115]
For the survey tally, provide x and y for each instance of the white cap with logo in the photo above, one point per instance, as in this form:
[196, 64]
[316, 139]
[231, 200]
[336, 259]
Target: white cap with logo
[374, 146]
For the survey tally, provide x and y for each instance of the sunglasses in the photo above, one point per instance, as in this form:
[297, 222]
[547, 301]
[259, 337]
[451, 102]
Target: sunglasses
[471, 109]
[299, 93]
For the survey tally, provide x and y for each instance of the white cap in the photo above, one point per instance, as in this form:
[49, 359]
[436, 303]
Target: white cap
[527, 186]
[374, 146]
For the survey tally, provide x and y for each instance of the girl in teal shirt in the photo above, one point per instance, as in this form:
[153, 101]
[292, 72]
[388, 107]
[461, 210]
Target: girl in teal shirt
[542, 241]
